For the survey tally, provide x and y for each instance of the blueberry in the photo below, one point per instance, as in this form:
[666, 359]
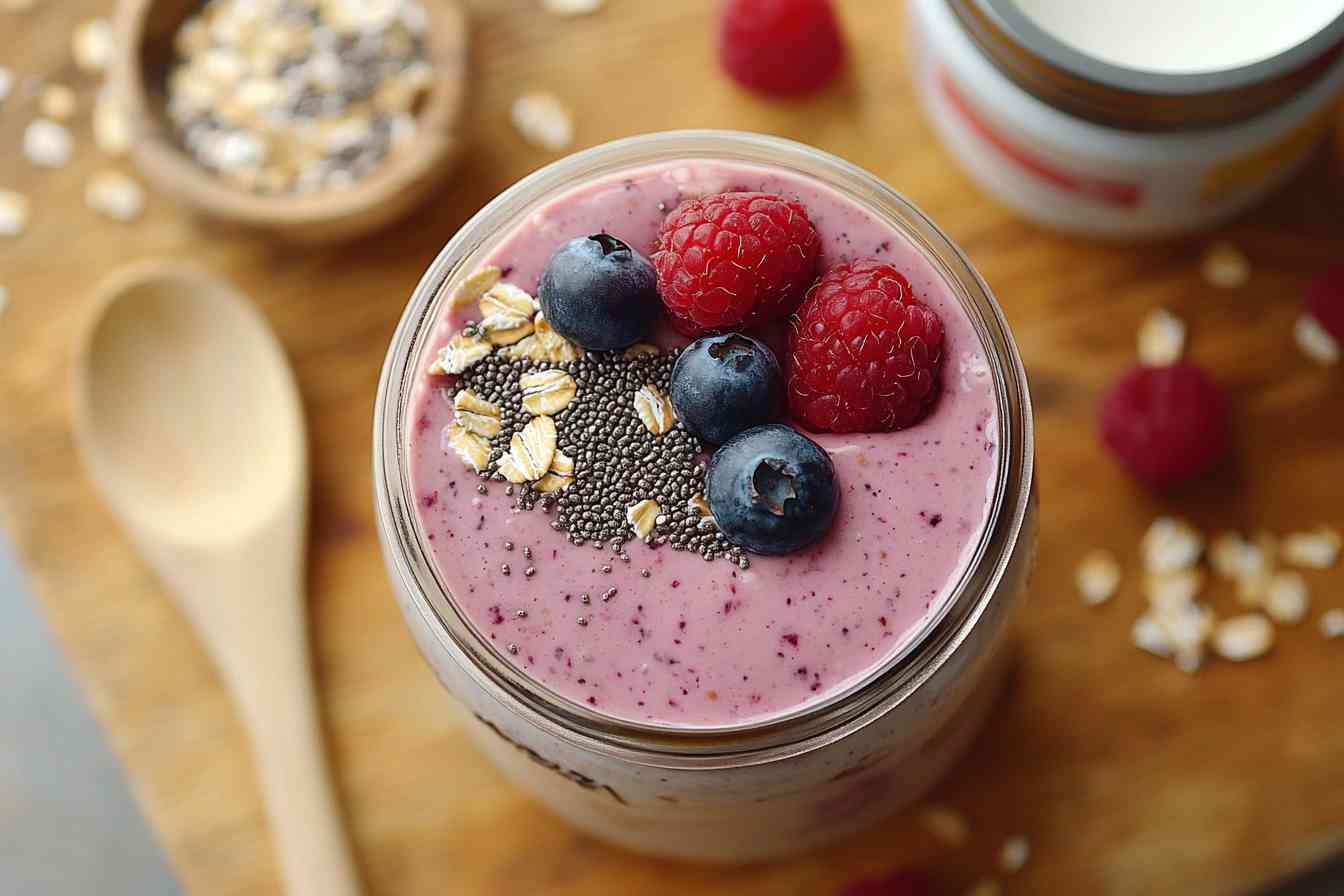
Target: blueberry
[599, 293]
[772, 490]
[725, 384]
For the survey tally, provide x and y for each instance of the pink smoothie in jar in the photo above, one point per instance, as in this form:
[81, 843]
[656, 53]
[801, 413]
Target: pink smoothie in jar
[686, 642]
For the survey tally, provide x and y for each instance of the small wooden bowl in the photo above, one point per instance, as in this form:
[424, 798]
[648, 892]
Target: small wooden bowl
[406, 178]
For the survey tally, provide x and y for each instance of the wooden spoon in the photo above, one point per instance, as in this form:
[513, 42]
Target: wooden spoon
[188, 417]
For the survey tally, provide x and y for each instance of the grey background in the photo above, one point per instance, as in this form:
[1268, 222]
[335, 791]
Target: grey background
[68, 824]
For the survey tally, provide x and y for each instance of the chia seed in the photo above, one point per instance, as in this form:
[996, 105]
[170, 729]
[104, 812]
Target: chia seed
[617, 461]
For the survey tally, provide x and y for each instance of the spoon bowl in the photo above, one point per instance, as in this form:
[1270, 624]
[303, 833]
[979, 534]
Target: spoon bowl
[194, 427]
[189, 420]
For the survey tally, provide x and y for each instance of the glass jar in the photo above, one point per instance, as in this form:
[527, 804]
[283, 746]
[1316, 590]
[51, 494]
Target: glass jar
[1089, 146]
[751, 791]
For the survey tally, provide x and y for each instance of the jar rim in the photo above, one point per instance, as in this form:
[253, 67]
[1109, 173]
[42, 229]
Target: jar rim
[861, 700]
[1138, 99]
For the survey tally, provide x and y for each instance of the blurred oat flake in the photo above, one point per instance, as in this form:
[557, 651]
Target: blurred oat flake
[543, 120]
[572, 7]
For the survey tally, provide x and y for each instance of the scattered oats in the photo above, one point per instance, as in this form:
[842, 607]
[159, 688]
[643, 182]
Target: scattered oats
[530, 452]
[58, 102]
[1097, 577]
[1189, 659]
[698, 505]
[1287, 598]
[543, 121]
[110, 130]
[547, 391]
[1227, 554]
[472, 448]
[13, 213]
[557, 348]
[1225, 266]
[1170, 545]
[945, 824]
[1173, 590]
[985, 887]
[572, 7]
[1257, 569]
[47, 143]
[654, 409]
[560, 475]
[1243, 637]
[545, 345]
[115, 195]
[6, 82]
[476, 415]
[1147, 634]
[1187, 628]
[1014, 854]
[474, 287]
[1315, 341]
[1332, 623]
[1161, 339]
[92, 45]
[508, 336]
[643, 516]
[461, 352]
[506, 314]
[1318, 549]
[640, 349]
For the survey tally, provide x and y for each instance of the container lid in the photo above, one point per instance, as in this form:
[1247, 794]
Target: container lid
[1136, 99]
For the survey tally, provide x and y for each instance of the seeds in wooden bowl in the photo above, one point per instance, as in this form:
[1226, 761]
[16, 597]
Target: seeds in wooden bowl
[297, 96]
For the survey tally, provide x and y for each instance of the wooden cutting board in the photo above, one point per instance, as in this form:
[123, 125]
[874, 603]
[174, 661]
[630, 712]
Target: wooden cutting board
[1127, 775]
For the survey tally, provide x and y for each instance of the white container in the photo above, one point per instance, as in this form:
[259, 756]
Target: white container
[1080, 143]
[759, 790]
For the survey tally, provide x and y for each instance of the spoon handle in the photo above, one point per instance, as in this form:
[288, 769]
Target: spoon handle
[275, 691]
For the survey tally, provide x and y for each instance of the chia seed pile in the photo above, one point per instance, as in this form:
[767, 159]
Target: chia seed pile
[618, 462]
[294, 96]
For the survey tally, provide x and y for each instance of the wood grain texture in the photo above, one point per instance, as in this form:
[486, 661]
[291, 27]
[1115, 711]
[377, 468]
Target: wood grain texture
[1128, 776]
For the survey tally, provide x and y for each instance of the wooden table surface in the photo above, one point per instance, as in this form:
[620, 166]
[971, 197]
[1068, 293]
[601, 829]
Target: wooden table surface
[1127, 775]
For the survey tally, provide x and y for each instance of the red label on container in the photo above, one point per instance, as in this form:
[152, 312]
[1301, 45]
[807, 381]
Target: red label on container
[1110, 192]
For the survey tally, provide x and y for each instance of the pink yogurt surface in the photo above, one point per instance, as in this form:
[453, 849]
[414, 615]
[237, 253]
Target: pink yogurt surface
[705, 643]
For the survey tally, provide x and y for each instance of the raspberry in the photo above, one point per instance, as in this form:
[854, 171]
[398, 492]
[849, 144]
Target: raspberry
[734, 260]
[865, 353]
[780, 47]
[1165, 424]
[1325, 300]
[900, 883]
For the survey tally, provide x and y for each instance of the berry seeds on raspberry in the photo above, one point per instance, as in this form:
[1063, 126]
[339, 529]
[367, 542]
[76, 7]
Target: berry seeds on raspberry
[865, 353]
[734, 260]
